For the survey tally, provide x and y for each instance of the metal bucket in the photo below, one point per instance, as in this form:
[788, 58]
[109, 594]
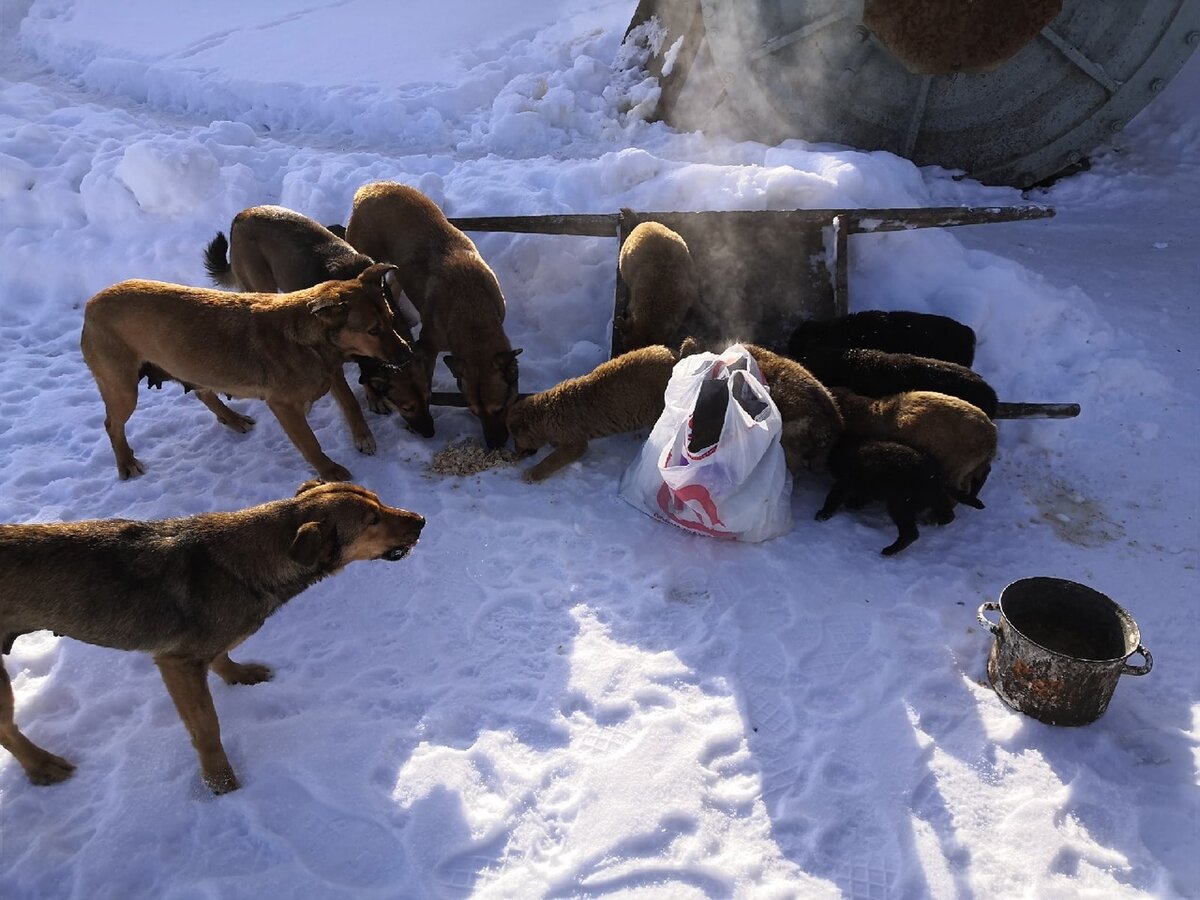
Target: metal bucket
[1060, 648]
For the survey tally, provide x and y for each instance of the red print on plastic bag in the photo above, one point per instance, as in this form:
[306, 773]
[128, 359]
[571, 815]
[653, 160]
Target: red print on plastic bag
[672, 503]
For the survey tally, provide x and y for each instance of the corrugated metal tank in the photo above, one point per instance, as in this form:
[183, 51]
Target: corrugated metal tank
[1011, 93]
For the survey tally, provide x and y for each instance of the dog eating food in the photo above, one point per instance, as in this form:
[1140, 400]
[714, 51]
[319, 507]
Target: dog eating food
[457, 294]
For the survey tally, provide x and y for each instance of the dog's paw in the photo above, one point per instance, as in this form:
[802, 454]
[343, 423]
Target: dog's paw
[365, 444]
[239, 423]
[49, 769]
[131, 469]
[245, 673]
[532, 475]
[378, 405]
[221, 780]
[334, 472]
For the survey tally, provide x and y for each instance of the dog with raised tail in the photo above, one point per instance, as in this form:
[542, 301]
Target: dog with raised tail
[272, 248]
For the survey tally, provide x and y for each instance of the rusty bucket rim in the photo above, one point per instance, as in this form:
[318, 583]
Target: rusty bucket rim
[1135, 632]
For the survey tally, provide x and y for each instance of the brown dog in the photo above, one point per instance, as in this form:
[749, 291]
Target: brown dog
[272, 248]
[623, 394]
[457, 294]
[658, 270]
[286, 349]
[812, 422]
[185, 590]
[956, 433]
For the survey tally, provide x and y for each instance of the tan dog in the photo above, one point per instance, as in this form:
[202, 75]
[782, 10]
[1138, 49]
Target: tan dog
[658, 270]
[285, 349]
[954, 432]
[812, 422]
[272, 248]
[459, 299]
[623, 394]
[185, 590]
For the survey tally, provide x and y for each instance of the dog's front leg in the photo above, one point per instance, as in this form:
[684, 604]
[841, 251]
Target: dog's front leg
[364, 441]
[291, 417]
[240, 673]
[187, 683]
[560, 457]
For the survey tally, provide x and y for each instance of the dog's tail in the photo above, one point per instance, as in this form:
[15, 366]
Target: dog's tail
[217, 265]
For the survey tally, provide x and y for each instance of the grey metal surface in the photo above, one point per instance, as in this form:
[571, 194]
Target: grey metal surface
[770, 70]
[1060, 647]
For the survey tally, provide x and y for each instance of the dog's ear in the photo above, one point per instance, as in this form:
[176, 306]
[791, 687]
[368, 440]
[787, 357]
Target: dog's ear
[311, 544]
[332, 310]
[506, 362]
[373, 274]
[453, 365]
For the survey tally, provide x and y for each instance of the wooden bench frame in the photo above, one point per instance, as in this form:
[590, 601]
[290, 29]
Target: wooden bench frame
[828, 287]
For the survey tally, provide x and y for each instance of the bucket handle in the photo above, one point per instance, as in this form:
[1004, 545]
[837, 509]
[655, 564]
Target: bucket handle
[1139, 670]
[995, 629]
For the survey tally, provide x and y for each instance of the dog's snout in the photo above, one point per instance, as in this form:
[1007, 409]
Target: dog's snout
[409, 521]
[421, 423]
[495, 432]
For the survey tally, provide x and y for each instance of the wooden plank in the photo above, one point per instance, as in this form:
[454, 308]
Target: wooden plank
[582, 224]
[859, 221]
[453, 398]
[870, 221]
[1003, 410]
[1036, 410]
[621, 297]
[446, 398]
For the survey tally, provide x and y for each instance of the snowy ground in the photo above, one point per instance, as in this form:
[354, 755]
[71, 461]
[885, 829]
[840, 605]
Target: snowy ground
[555, 696]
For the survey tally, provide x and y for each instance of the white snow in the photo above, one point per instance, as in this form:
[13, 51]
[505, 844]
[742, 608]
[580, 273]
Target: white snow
[556, 696]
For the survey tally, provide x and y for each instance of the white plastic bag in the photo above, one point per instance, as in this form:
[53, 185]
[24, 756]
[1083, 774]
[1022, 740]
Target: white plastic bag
[713, 463]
